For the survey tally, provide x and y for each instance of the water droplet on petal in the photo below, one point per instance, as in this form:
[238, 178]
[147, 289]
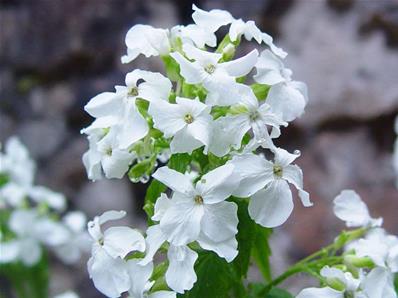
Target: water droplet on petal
[297, 152]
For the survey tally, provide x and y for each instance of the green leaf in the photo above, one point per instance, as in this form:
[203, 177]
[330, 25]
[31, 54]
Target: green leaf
[261, 251]
[3, 179]
[215, 278]
[172, 68]
[245, 237]
[255, 290]
[179, 162]
[396, 282]
[153, 192]
[260, 90]
[141, 170]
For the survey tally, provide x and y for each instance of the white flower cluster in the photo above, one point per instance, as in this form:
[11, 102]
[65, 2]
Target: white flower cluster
[32, 213]
[210, 104]
[370, 262]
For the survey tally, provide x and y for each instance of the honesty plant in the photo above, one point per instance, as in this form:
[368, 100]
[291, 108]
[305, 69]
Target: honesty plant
[33, 223]
[212, 120]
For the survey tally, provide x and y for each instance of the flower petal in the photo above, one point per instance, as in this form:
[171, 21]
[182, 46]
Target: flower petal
[320, 292]
[104, 104]
[218, 184]
[154, 240]
[294, 175]
[220, 221]
[109, 275]
[191, 72]
[139, 276]
[180, 274]
[242, 66]
[227, 249]
[349, 207]
[272, 206]
[167, 117]
[174, 180]
[211, 20]
[120, 241]
[181, 222]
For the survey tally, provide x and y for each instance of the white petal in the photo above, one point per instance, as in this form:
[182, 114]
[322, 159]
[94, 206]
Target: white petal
[120, 241]
[191, 72]
[75, 221]
[269, 69]
[146, 40]
[109, 275]
[139, 277]
[13, 194]
[92, 162]
[294, 175]
[30, 251]
[180, 274]
[379, 284]
[111, 215]
[154, 240]
[272, 206]
[255, 172]
[133, 128]
[286, 101]
[104, 104]
[174, 180]
[155, 88]
[228, 133]
[22, 221]
[50, 232]
[184, 142]
[283, 157]
[242, 66]
[320, 292]
[211, 20]
[220, 221]
[163, 294]
[53, 199]
[181, 222]
[227, 249]
[117, 164]
[168, 118]
[349, 207]
[9, 251]
[218, 184]
[161, 205]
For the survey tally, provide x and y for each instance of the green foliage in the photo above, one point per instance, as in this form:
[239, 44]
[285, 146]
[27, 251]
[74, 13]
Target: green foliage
[153, 192]
[396, 282]
[28, 282]
[245, 237]
[3, 179]
[179, 162]
[255, 290]
[216, 279]
[261, 251]
[172, 68]
[142, 169]
[260, 90]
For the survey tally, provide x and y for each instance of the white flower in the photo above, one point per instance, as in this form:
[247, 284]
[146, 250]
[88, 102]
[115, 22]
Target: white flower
[107, 267]
[119, 108]
[349, 207]
[105, 156]
[272, 205]
[146, 40]
[78, 241]
[199, 208]
[287, 98]
[16, 163]
[187, 121]
[212, 20]
[26, 247]
[41, 194]
[217, 78]
[180, 275]
[195, 34]
[230, 130]
[380, 247]
[140, 284]
[13, 194]
[377, 283]
[68, 294]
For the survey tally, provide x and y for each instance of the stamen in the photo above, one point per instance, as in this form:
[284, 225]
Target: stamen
[133, 92]
[278, 171]
[188, 118]
[210, 68]
[198, 200]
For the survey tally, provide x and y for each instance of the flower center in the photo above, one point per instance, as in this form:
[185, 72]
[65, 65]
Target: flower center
[278, 171]
[108, 151]
[101, 241]
[188, 118]
[133, 92]
[254, 116]
[198, 200]
[210, 68]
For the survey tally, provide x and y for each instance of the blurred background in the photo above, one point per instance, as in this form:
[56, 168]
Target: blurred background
[57, 54]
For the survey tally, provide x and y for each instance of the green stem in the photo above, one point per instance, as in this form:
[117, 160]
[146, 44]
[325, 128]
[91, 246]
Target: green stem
[315, 261]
